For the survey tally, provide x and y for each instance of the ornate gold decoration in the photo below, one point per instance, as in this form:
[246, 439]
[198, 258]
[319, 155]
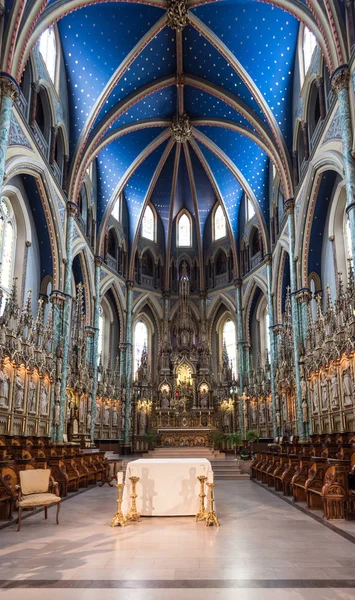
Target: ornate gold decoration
[202, 513]
[177, 14]
[8, 88]
[340, 79]
[181, 128]
[119, 518]
[211, 518]
[133, 514]
[289, 206]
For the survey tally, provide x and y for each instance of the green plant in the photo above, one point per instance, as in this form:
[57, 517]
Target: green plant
[217, 438]
[235, 439]
[251, 435]
[150, 437]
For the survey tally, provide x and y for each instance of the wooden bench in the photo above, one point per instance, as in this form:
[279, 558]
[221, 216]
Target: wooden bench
[288, 473]
[278, 472]
[298, 481]
[314, 483]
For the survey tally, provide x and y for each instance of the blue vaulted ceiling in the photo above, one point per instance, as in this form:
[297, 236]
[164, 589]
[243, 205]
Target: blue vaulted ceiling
[96, 41]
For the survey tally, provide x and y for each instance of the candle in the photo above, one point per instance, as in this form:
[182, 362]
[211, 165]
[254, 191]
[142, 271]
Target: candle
[120, 477]
[210, 477]
[133, 471]
[202, 470]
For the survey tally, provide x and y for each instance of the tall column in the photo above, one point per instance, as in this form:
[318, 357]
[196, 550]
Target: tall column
[340, 86]
[238, 304]
[271, 342]
[95, 353]
[289, 210]
[127, 425]
[57, 300]
[66, 321]
[9, 91]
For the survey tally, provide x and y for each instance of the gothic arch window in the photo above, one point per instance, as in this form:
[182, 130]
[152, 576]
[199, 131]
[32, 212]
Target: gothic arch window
[249, 209]
[7, 247]
[309, 44]
[219, 224]
[147, 264]
[255, 242]
[148, 225]
[140, 341]
[229, 340]
[184, 231]
[221, 263]
[48, 50]
[313, 110]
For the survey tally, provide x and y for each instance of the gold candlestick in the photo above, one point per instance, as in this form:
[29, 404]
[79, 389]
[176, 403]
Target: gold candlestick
[119, 519]
[202, 513]
[133, 514]
[211, 518]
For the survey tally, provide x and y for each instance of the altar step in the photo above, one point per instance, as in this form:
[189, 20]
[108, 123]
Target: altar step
[195, 452]
[228, 470]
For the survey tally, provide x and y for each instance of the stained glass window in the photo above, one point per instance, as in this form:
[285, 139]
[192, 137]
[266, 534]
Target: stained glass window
[116, 209]
[48, 49]
[229, 340]
[140, 340]
[184, 231]
[148, 224]
[101, 334]
[309, 44]
[7, 248]
[219, 224]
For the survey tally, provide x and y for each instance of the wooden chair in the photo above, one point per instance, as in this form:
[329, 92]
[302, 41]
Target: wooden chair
[36, 489]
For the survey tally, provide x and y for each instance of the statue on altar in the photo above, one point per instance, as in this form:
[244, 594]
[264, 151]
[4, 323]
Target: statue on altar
[165, 402]
[204, 399]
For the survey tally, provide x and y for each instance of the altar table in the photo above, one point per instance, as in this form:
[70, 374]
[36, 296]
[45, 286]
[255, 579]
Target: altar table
[167, 486]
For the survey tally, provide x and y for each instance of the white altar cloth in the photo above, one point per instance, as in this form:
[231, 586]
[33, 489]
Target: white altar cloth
[167, 487]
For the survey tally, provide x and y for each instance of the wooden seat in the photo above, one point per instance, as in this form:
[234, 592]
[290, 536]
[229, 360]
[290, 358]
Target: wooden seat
[37, 488]
[298, 481]
[278, 472]
[314, 483]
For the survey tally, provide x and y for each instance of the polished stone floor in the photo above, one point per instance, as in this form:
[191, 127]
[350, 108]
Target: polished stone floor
[265, 549]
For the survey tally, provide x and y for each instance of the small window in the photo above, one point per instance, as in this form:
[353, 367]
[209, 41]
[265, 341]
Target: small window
[230, 342]
[116, 210]
[308, 47]
[219, 224]
[7, 248]
[48, 50]
[184, 231]
[148, 224]
[250, 210]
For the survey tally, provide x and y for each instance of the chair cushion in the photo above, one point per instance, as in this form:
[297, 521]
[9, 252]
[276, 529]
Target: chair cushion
[38, 500]
[34, 481]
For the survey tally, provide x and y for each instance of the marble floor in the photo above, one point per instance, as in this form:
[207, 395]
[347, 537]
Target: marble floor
[264, 549]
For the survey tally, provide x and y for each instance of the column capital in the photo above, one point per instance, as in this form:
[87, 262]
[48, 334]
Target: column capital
[340, 79]
[289, 206]
[9, 86]
[98, 260]
[303, 295]
[246, 344]
[90, 330]
[268, 258]
[238, 283]
[57, 297]
[130, 284]
[28, 244]
[72, 209]
[203, 294]
[166, 295]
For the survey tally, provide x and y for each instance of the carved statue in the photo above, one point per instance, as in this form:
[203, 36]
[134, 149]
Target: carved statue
[334, 388]
[98, 415]
[324, 391]
[304, 411]
[32, 399]
[315, 396]
[347, 384]
[107, 416]
[284, 407]
[4, 389]
[165, 403]
[227, 421]
[88, 421]
[262, 412]
[303, 388]
[19, 391]
[142, 422]
[43, 399]
[115, 417]
[82, 408]
[278, 419]
[204, 399]
[269, 412]
[254, 412]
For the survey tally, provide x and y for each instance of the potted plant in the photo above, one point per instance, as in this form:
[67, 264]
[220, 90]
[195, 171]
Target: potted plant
[235, 439]
[150, 437]
[251, 436]
[217, 438]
